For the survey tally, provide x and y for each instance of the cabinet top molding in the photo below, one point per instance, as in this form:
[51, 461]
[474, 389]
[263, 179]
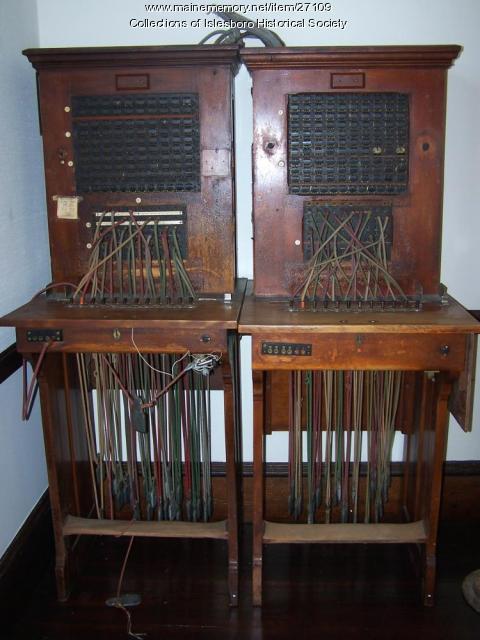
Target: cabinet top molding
[155, 56]
[338, 57]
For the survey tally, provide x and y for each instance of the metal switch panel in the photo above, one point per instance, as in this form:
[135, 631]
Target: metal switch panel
[286, 349]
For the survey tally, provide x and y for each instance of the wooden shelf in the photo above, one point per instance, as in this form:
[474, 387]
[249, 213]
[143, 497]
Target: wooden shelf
[276, 533]
[152, 529]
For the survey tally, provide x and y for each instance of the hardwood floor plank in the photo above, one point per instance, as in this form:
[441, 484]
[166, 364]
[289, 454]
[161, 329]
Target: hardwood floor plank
[310, 591]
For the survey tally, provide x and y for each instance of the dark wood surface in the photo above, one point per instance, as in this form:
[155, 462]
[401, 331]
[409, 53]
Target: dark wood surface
[210, 211]
[29, 604]
[170, 55]
[419, 72]
[10, 361]
[334, 592]
[461, 400]
[199, 329]
[41, 312]
[369, 56]
[438, 337]
[385, 351]
[262, 314]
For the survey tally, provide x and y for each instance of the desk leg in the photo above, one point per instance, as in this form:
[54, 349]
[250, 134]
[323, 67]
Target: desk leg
[258, 485]
[57, 456]
[231, 473]
[436, 443]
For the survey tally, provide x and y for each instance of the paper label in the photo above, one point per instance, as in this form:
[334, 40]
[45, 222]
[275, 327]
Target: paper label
[67, 207]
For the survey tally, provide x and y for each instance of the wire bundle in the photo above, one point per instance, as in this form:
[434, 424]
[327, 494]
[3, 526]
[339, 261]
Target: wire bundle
[134, 261]
[149, 441]
[349, 261]
[343, 405]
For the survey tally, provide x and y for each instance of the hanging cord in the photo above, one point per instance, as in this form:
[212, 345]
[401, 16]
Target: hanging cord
[126, 392]
[29, 393]
[118, 604]
[53, 285]
[93, 459]
[142, 357]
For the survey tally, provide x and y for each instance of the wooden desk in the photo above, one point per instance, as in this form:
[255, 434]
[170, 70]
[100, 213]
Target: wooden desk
[438, 342]
[209, 326]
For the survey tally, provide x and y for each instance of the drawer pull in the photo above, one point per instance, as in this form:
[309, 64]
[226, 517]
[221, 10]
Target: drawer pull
[444, 350]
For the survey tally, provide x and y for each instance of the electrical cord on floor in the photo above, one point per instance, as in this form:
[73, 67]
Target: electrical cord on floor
[118, 604]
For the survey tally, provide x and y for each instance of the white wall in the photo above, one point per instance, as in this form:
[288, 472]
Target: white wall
[24, 260]
[90, 23]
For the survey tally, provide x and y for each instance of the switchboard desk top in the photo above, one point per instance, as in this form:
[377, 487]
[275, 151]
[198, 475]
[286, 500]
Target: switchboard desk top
[201, 327]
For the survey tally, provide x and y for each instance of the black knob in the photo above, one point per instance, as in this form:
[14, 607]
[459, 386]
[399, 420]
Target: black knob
[444, 349]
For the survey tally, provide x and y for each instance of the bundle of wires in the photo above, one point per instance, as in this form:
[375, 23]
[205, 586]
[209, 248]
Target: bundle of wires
[149, 436]
[134, 261]
[349, 262]
[339, 407]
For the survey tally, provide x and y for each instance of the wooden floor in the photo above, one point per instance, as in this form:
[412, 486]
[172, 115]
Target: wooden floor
[324, 592]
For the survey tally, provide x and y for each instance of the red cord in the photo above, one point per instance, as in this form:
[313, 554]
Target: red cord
[129, 396]
[29, 394]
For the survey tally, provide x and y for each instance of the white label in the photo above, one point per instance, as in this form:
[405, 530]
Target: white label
[67, 207]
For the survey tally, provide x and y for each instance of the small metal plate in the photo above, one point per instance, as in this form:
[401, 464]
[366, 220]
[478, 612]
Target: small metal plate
[44, 335]
[286, 349]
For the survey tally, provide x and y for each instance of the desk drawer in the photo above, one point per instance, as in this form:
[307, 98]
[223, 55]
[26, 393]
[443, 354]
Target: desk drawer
[443, 352]
[120, 340]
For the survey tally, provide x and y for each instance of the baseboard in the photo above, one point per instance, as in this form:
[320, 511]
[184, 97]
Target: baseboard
[280, 469]
[26, 559]
[460, 498]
